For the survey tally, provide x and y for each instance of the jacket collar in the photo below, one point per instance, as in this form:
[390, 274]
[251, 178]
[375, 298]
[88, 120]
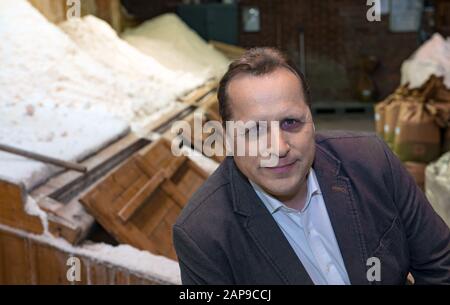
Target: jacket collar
[341, 209]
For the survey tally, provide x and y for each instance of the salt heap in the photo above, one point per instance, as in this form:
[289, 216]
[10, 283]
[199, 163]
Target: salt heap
[151, 80]
[41, 60]
[46, 87]
[171, 42]
[432, 58]
[56, 131]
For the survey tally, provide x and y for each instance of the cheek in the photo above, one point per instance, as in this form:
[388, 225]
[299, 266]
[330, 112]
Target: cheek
[304, 145]
[247, 165]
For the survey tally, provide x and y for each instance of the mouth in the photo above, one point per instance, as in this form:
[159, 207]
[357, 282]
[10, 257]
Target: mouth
[282, 169]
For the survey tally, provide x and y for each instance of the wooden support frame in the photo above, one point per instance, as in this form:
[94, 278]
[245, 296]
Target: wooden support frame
[140, 201]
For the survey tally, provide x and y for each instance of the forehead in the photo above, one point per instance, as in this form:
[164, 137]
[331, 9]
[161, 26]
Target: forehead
[266, 97]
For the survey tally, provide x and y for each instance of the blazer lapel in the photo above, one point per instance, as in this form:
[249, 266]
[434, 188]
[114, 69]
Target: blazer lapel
[265, 231]
[338, 197]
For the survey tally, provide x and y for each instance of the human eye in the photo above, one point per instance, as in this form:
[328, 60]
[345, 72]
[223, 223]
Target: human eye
[290, 124]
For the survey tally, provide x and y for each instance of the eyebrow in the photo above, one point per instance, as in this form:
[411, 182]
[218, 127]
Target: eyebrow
[302, 117]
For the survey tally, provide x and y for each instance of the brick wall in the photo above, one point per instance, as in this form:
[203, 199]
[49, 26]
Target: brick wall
[337, 35]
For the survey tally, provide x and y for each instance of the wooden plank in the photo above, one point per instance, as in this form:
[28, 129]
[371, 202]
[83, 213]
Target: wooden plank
[97, 274]
[12, 204]
[139, 198]
[129, 193]
[43, 158]
[174, 166]
[27, 261]
[12, 213]
[161, 191]
[81, 183]
[130, 141]
[196, 95]
[51, 266]
[14, 267]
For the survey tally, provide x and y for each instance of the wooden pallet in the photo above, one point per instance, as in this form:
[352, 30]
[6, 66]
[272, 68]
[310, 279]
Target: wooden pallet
[140, 201]
[67, 218]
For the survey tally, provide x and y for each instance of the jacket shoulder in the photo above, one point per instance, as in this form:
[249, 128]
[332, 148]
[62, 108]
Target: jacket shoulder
[208, 200]
[336, 135]
[349, 143]
[357, 151]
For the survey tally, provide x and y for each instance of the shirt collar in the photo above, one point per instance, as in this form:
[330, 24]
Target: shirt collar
[273, 204]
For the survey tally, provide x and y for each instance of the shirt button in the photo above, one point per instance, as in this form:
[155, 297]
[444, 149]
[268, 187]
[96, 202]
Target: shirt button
[328, 267]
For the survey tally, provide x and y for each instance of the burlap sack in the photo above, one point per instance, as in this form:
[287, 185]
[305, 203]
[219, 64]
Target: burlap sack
[446, 144]
[380, 112]
[380, 109]
[441, 93]
[417, 136]
[441, 113]
[417, 170]
[391, 116]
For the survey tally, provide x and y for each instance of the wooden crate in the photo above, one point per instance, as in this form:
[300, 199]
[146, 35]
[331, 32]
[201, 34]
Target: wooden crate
[140, 201]
[59, 196]
[128, 168]
[28, 261]
[28, 257]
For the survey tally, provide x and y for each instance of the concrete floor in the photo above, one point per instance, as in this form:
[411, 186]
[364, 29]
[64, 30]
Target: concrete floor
[354, 122]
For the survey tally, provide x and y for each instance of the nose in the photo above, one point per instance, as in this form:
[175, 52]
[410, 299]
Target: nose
[281, 146]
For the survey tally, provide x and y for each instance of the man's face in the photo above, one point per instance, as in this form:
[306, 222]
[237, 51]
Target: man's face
[275, 97]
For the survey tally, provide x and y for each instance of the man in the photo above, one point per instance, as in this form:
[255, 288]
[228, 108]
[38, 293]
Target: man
[336, 208]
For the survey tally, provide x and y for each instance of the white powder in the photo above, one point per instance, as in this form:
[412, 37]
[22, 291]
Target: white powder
[152, 80]
[170, 41]
[432, 58]
[39, 60]
[52, 130]
[32, 208]
[55, 99]
[151, 266]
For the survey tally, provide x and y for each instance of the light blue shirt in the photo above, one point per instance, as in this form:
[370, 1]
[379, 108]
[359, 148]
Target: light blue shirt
[310, 234]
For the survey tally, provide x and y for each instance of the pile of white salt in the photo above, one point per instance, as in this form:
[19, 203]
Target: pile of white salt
[171, 42]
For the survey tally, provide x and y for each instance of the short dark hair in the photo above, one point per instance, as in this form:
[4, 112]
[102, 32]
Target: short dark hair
[257, 61]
